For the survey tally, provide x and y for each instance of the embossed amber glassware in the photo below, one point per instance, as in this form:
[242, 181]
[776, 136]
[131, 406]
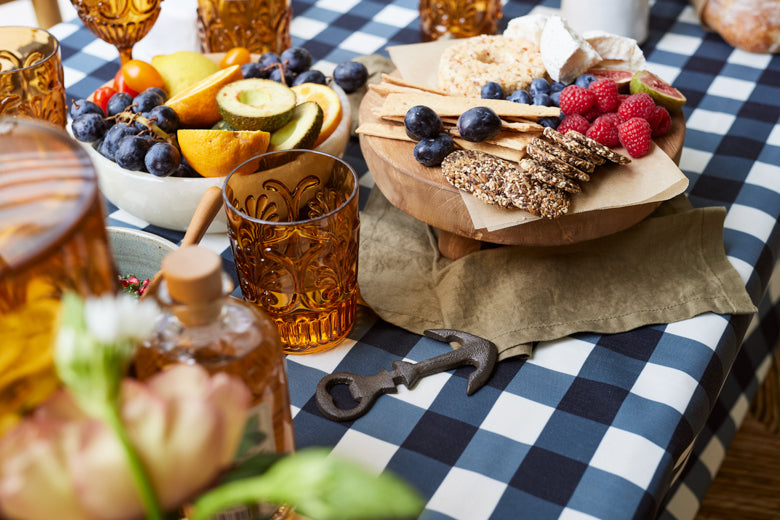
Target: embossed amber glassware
[293, 225]
[31, 76]
[458, 18]
[258, 25]
[52, 238]
[121, 23]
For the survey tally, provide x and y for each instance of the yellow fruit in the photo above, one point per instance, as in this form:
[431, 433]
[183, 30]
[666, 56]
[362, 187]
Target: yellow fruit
[215, 153]
[196, 106]
[183, 69]
[328, 101]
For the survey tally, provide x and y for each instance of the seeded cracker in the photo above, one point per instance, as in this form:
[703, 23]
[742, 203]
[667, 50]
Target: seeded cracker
[548, 176]
[582, 164]
[551, 162]
[573, 147]
[495, 181]
[599, 148]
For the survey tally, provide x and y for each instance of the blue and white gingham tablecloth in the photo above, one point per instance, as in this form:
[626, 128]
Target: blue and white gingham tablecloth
[592, 426]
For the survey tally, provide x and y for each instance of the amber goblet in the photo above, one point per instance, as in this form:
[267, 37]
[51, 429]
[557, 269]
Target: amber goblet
[121, 23]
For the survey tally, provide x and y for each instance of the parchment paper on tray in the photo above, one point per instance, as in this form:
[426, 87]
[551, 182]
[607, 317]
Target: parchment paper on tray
[652, 178]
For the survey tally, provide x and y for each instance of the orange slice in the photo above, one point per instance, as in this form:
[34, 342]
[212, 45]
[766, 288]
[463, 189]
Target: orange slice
[197, 104]
[215, 153]
[328, 101]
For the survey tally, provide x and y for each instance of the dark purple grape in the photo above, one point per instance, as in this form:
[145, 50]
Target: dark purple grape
[131, 151]
[421, 121]
[113, 136]
[491, 90]
[89, 127]
[280, 75]
[254, 70]
[431, 151]
[269, 59]
[478, 123]
[350, 76]
[165, 117]
[296, 59]
[118, 103]
[163, 94]
[146, 100]
[162, 159]
[184, 170]
[84, 106]
[311, 76]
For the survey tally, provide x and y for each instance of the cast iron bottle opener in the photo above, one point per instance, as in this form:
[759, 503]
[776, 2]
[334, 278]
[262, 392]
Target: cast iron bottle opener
[475, 351]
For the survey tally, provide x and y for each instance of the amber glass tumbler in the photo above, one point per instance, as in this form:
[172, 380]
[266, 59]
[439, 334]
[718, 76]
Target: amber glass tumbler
[31, 77]
[458, 18]
[258, 25]
[293, 225]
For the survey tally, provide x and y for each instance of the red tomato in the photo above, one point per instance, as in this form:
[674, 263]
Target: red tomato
[235, 56]
[140, 76]
[121, 86]
[102, 95]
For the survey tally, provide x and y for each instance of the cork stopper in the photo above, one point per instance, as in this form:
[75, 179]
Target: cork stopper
[193, 275]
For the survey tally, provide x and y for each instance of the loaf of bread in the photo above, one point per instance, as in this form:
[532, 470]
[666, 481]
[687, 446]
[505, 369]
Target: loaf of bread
[750, 25]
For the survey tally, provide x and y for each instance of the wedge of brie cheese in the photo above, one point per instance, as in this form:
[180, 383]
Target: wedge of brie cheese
[528, 27]
[565, 53]
[617, 52]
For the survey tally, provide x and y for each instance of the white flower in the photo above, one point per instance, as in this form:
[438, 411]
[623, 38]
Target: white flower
[115, 319]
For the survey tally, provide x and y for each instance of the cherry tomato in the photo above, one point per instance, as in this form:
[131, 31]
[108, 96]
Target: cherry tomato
[121, 86]
[235, 56]
[140, 75]
[102, 95]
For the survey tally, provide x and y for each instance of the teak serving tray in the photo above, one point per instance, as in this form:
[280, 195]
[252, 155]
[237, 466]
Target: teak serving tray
[425, 194]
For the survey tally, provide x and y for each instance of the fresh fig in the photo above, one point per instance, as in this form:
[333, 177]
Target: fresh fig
[662, 93]
[622, 78]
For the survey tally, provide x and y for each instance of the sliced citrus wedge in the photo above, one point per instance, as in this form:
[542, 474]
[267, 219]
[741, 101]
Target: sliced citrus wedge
[197, 104]
[328, 101]
[215, 153]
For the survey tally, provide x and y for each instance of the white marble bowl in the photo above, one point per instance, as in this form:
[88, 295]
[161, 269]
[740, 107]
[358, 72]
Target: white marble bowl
[137, 252]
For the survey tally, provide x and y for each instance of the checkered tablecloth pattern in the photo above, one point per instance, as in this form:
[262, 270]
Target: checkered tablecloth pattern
[592, 426]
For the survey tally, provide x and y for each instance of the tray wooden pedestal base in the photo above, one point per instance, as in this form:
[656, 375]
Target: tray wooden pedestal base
[425, 194]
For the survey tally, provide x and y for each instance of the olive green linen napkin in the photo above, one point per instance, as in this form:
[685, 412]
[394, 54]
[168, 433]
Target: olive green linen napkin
[667, 268]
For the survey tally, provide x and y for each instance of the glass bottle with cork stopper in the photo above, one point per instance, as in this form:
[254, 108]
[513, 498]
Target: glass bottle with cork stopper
[201, 323]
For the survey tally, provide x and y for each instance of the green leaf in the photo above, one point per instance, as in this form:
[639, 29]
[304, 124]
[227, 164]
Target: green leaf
[319, 486]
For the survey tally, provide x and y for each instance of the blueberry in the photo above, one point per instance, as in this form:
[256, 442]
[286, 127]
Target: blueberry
[539, 86]
[269, 59]
[165, 117]
[254, 70]
[350, 75]
[542, 99]
[478, 123]
[296, 59]
[146, 100]
[311, 76]
[118, 103]
[557, 86]
[584, 80]
[431, 151]
[84, 106]
[282, 76]
[162, 159]
[491, 90]
[113, 136]
[131, 151]
[520, 96]
[551, 122]
[421, 121]
[89, 127]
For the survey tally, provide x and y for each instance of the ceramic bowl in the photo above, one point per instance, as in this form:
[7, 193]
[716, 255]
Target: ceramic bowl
[136, 252]
[170, 202]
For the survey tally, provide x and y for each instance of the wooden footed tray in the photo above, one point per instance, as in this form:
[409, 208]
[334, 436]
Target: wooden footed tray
[425, 194]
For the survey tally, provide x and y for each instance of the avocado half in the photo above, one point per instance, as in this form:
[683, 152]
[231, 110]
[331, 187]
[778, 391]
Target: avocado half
[256, 104]
[302, 130]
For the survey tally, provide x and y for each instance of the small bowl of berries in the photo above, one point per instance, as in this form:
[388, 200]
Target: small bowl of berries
[156, 154]
[137, 256]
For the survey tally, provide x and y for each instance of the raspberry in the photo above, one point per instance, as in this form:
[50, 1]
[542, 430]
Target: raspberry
[637, 105]
[635, 136]
[606, 93]
[612, 117]
[592, 114]
[604, 130]
[576, 100]
[660, 122]
[574, 122]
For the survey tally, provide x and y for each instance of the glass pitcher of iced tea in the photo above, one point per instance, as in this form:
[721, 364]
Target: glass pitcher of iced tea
[52, 238]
